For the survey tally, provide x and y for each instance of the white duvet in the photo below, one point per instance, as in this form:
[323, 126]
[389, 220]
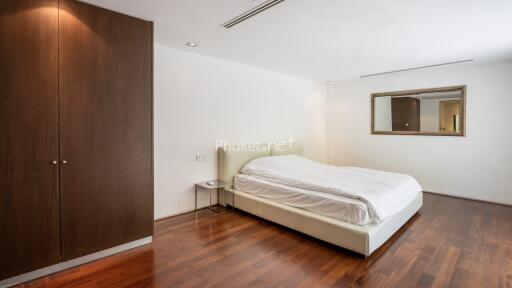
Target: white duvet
[385, 193]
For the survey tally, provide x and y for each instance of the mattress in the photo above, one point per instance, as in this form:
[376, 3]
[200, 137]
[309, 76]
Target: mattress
[335, 206]
[384, 193]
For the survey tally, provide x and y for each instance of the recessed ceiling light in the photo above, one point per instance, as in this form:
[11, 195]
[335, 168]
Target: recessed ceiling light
[191, 44]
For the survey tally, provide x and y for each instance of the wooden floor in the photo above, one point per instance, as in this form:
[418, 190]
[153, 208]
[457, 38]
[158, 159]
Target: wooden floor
[450, 243]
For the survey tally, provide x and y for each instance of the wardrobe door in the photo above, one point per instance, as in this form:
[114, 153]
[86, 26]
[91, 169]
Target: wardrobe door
[105, 128]
[29, 195]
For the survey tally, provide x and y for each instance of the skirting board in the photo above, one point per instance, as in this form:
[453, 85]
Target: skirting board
[72, 263]
[469, 198]
[165, 216]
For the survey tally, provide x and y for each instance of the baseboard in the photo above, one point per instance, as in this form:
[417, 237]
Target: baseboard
[468, 198]
[182, 212]
[175, 214]
[72, 263]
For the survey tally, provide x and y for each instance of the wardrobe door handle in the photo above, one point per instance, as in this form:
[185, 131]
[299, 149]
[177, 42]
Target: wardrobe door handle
[64, 162]
[54, 162]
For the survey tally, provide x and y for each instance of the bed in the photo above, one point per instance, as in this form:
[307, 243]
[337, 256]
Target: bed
[339, 220]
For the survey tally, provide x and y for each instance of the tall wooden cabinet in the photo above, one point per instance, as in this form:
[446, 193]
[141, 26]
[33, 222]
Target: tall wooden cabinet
[76, 164]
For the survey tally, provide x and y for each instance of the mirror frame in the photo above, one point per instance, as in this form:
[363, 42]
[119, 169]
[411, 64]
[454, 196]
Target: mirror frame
[462, 132]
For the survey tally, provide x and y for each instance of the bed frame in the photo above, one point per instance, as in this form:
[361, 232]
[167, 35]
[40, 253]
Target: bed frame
[361, 239]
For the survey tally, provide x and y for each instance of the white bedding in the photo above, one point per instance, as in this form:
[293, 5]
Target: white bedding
[339, 207]
[384, 193]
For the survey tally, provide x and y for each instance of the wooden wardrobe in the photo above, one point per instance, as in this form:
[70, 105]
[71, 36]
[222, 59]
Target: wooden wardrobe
[76, 132]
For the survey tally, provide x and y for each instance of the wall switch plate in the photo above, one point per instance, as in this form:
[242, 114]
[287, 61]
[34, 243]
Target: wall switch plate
[200, 157]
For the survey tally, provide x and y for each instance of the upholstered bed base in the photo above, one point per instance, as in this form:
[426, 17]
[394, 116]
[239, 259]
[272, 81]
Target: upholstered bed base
[361, 239]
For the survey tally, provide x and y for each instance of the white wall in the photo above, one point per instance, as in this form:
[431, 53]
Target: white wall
[199, 100]
[478, 166]
[429, 114]
[383, 115]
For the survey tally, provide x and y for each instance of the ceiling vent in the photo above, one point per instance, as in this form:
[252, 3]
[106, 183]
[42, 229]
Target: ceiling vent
[415, 68]
[253, 12]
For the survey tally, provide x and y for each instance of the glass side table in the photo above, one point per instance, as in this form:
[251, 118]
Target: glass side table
[210, 186]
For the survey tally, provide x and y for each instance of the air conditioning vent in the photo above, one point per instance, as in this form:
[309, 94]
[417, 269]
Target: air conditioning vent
[253, 12]
[415, 68]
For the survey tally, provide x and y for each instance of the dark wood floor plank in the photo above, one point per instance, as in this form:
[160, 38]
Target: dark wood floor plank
[450, 243]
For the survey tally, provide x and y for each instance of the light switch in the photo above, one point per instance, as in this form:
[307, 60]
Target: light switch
[200, 157]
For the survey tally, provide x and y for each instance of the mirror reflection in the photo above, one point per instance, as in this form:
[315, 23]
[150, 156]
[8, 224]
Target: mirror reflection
[438, 111]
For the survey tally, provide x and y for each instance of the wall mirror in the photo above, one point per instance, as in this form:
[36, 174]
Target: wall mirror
[435, 112]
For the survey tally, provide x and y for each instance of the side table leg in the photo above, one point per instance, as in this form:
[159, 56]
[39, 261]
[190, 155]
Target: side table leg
[210, 201]
[233, 201]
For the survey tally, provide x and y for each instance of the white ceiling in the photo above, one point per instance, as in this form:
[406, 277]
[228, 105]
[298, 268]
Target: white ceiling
[333, 39]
